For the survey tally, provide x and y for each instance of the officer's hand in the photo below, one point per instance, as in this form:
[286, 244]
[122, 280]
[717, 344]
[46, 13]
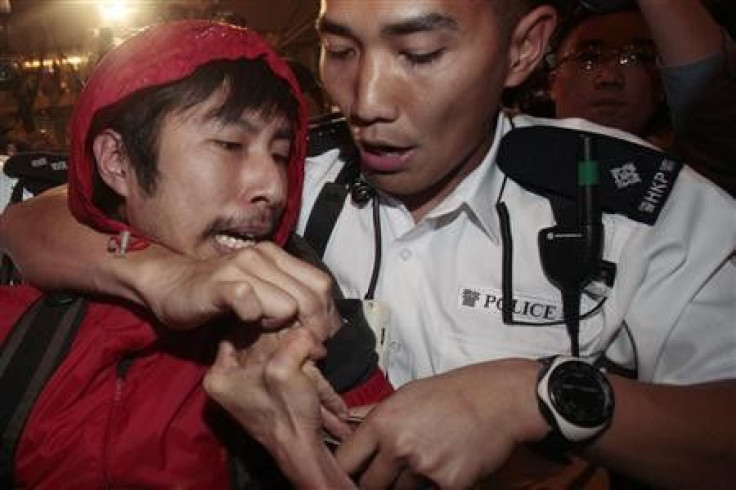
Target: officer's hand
[262, 283]
[452, 429]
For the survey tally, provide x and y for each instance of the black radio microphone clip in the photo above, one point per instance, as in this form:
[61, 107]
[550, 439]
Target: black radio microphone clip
[361, 192]
[571, 254]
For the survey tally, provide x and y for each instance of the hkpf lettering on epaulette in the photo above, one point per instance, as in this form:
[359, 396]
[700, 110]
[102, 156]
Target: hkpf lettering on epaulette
[634, 180]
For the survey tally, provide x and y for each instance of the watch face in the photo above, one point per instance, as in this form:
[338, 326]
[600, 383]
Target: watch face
[581, 394]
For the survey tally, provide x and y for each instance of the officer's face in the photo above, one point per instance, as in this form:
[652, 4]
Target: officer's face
[420, 83]
[608, 74]
[221, 185]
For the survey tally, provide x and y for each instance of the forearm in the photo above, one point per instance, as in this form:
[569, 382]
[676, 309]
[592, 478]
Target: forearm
[683, 30]
[672, 436]
[308, 464]
[52, 250]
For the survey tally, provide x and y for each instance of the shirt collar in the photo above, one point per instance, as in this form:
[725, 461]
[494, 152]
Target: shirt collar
[478, 192]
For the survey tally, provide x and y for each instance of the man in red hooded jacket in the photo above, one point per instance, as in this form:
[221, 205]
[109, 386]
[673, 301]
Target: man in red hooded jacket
[190, 135]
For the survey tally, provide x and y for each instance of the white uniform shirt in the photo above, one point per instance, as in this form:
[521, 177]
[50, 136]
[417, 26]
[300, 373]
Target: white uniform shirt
[6, 185]
[440, 278]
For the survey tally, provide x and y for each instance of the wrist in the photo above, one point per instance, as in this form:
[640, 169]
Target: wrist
[307, 461]
[535, 427]
[132, 275]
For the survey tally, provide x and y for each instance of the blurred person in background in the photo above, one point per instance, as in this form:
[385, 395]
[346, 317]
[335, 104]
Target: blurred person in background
[661, 69]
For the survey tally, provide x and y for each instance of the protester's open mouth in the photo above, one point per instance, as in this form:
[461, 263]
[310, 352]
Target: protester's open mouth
[232, 234]
[235, 241]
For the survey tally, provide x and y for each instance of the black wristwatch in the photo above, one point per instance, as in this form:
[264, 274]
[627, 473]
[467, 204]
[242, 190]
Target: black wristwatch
[575, 398]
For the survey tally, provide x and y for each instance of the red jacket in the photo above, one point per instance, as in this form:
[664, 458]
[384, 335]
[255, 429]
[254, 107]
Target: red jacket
[101, 424]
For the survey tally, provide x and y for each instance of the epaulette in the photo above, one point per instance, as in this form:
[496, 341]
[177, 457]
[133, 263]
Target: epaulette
[634, 180]
[328, 132]
[38, 170]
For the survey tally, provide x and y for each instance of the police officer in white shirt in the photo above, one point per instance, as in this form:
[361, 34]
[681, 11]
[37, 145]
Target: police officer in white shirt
[442, 238]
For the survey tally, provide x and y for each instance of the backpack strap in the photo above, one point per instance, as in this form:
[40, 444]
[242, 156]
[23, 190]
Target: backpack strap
[327, 208]
[329, 133]
[36, 346]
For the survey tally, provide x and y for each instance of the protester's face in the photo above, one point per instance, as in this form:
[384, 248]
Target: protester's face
[221, 185]
[592, 83]
[420, 84]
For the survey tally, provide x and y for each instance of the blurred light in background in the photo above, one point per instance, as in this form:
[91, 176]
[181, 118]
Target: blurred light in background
[114, 11]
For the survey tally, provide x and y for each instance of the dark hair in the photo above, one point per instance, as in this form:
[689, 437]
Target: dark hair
[573, 17]
[251, 86]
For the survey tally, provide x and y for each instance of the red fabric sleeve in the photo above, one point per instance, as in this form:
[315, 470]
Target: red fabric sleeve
[375, 389]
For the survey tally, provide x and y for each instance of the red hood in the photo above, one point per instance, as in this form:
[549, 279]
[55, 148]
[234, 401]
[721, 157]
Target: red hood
[159, 55]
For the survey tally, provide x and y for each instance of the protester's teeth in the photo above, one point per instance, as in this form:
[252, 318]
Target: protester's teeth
[232, 242]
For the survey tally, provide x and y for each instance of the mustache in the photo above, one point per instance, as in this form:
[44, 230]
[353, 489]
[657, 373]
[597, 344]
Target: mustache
[259, 225]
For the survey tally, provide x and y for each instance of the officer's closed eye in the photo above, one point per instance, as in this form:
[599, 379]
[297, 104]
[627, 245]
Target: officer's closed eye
[423, 58]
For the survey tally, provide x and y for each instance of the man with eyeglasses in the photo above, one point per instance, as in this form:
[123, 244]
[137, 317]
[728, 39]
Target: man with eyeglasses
[662, 69]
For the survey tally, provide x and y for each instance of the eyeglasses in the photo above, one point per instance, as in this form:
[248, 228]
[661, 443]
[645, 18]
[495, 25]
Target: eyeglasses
[590, 59]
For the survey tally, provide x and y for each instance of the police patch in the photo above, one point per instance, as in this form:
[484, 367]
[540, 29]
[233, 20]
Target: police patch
[525, 308]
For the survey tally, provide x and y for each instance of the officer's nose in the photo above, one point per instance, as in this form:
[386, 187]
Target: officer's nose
[373, 97]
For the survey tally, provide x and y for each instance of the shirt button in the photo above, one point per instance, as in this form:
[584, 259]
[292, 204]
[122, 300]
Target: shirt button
[405, 254]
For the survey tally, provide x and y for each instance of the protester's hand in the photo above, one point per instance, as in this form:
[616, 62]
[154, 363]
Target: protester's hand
[262, 283]
[274, 391]
[452, 429]
[272, 387]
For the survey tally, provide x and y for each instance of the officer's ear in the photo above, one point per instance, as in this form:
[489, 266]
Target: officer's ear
[528, 43]
[112, 162]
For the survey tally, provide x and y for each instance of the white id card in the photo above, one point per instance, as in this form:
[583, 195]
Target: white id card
[378, 317]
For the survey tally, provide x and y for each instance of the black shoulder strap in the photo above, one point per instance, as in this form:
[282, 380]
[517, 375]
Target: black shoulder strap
[328, 133]
[36, 346]
[328, 206]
